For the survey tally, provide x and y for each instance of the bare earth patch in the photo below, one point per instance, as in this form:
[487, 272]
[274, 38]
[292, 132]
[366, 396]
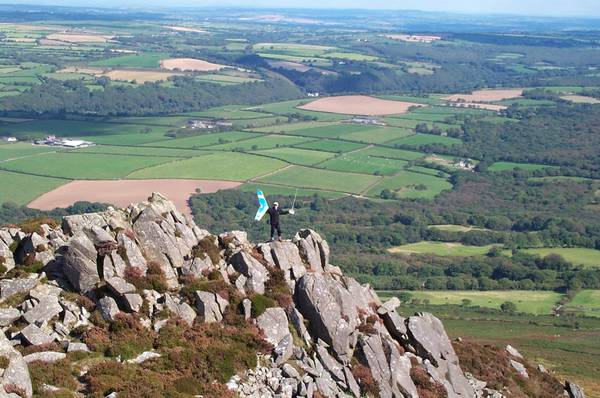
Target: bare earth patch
[486, 95]
[415, 38]
[123, 192]
[358, 105]
[190, 64]
[186, 29]
[79, 38]
[140, 76]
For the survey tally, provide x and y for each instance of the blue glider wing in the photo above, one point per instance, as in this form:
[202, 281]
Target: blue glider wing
[263, 206]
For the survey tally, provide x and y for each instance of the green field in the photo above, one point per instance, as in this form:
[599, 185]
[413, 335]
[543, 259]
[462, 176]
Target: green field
[230, 112]
[305, 157]
[75, 165]
[141, 151]
[532, 302]
[288, 127]
[331, 131]
[22, 149]
[379, 135]
[412, 185]
[203, 140]
[585, 302]
[575, 255]
[148, 60]
[24, 188]
[305, 177]
[504, 166]
[442, 249]
[418, 140]
[358, 162]
[216, 166]
[264, 142]
[330, 145]
[392, 153]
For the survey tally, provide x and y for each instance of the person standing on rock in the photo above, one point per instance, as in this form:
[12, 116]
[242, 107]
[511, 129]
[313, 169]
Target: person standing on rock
[274, 213]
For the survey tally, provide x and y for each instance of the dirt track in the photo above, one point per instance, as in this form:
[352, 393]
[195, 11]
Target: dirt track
[123, 192]
[358, 105]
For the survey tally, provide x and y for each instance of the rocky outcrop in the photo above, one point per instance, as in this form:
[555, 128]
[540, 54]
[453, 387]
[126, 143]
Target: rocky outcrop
[327, 333]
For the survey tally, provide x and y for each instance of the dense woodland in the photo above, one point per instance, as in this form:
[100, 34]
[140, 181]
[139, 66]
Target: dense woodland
[73, 97]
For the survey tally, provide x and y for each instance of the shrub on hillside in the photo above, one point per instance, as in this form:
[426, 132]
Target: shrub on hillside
[276, 288]
[208, 246]
[58, 374]
[207, 352]
[153, 280]
[368, 386]
[124, 337]
[492, 365]
[34, 224]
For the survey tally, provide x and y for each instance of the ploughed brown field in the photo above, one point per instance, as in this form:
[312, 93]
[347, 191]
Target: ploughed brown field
[190, 64]
[486, 95]
[121, 193]
[358, 105]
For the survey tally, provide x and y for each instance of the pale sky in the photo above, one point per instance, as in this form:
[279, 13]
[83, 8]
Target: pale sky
[588, 8]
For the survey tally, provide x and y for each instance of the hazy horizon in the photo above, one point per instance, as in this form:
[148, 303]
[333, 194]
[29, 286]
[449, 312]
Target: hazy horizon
[579, 8]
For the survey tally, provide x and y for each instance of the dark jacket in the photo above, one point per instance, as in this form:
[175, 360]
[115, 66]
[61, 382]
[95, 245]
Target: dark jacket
[274, 214]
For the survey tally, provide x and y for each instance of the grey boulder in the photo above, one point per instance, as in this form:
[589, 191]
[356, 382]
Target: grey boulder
[210, 306]
[80, 263]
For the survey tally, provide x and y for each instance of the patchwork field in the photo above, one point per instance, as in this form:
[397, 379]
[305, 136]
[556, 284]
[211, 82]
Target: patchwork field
[321, 155]
[123, 192]
[358, 105]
